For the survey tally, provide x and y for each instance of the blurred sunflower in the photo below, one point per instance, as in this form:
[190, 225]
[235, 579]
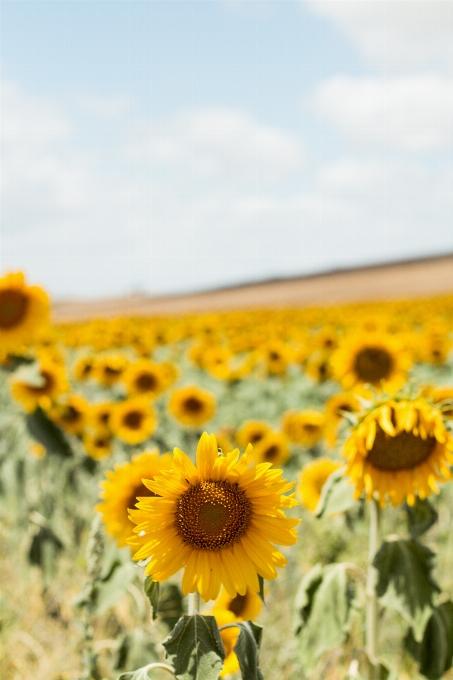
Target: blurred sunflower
[336, 406]
[98, 443]
[124, 486]
[133, 420]
[50, 383]
[312, 479]
[99, 414]
[229, 638]
[272, 448]
[251, 432]
[109, 368]
[216, 361]
[145, 377]
[70, 413]
[82, 368]
[304, 427]
[375, 358]
[399, 449]
[443, 397]
[217, 520]
[191, 405]
[24, 310]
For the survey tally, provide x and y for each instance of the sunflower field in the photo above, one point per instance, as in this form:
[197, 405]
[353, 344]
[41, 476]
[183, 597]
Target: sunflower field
[251, 494]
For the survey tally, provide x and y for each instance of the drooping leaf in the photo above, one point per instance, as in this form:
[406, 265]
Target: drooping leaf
[194, 648]
[420, 517]
[247, 650]
[405, 583]
[337, 495]
[44, 548]
[305, 594]
[48, 434]
[328, 620]
[152, 592]
[171, 604]
[436, 649]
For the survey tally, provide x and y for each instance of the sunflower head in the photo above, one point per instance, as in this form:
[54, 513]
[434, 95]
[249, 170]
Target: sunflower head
[217, 520]
[304, 427]
[145, 377]
[99, 415]
[272, 448]
[192, 406]
[399, 450]
[83, 367]
[133, 420]
[50, 383]
[24, 311]
[109, 368]
[70, 413]
[312, 479]
[443, 397]
[98, 443]
[252, 432]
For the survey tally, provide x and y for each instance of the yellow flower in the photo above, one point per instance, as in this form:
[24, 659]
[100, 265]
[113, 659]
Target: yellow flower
[217, 520]
[191, 405]
[312, 479]
[229, 638]
[122, 488]
[336, 406]
[304, 427]
[83, 367]
[272, 448]
[375, 358]
[133, 420]
[243, 607]
[51, 383]
[276, 355]
[443, 396]
[109, 368]
[71, 413]
[98, 443]
[99, 415]
[37, 450]
[216, 361]
[251, 432]
[24, 310]
[145, 377]
[400, 449]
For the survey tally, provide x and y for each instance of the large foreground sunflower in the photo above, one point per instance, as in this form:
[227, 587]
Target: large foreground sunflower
[217, 520]
[24, 310]
[122, 488]
[399, 450]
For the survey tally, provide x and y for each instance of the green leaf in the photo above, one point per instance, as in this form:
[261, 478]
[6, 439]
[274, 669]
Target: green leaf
[109, 592]
[405, 583]
[171, 604]
[194, 648]
[152, 592]
[337, 495]
[420, 517]
[261, 592]
[436, 649]
[328, 620]
[304, 597]
[48, 434]
[247, 650]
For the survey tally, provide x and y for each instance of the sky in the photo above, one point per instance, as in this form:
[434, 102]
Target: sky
[170, 146]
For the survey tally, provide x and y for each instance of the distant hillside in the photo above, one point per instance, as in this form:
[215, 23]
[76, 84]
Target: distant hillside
[412, 278]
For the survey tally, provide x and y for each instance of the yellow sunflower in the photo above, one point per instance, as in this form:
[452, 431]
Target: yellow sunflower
[312, 479]
[443, 396]
[133, 420]
[336, 406]
[272, 448]
[244, 607]
[51, 383]
[229, 638]
[83, 367]
[191, 405]
[70, 413]
[122, 488]
[99, 415]
[24, 310]
[399, 449]
[251, 432]
[109, 368]
[217, 520]
[375, 358]
[98, 443]
[145, 377]
[304, 427]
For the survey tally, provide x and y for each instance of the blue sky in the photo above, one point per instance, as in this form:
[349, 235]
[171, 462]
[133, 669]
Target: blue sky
[171, 145]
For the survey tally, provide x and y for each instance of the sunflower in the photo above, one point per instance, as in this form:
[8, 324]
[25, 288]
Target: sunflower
[133, 420]
[192, 405]
[50, 383]
[109, 368]
[217, 520]
[98, 443]
[122, 488]
[216, 361]
[145, 377]
[24, 310]
[399, 449]
[336, 407]
[229, 638]
[251, 432]
[304, 427]
[244, 607]
[443, 397]
[71, 413]
[318, 366]
[272, 448]
[99, 415]
[276, 356]
[83, 367]
[312, 479]
[375, 358]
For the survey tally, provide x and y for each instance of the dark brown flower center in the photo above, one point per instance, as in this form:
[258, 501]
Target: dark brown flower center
[403, 452]
[212, 515]
[111, 372]
[47, 385]
[193, 405]
[238, 604]
[138, 491]
[271, 453]
[13, 308]
[146, 382]
[71, 414]
[256, 437]
[310, 428]
[373, 364]
[133, 419]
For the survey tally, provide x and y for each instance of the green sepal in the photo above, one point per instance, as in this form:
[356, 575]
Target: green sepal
[405, 583]
[48, 434]
[337, 495]
[247, 650]
[152, 592]
[194, 648]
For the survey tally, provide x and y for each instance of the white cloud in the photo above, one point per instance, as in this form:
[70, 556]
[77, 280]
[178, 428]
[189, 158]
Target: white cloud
[412, 113]
[396, 33]
[102, 107]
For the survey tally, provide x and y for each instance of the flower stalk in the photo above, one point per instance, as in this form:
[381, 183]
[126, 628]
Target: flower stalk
[194, 603]
[371, 596]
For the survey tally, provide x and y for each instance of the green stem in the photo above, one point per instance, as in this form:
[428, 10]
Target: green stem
[162, 666]
[194, 603]
[371, 596]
